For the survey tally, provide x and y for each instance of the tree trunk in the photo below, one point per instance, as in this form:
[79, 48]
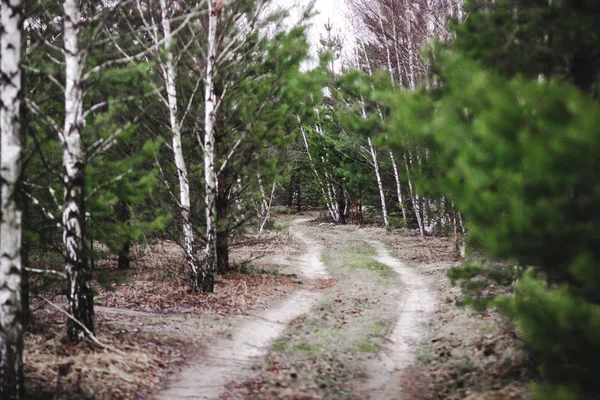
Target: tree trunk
[268, 213]
[324, 186]
[299, 200]
[24, 202]
[79, 291]
[398, 186]
[371, 148]
[414, 197]
[341, 206]
[184, 187]
[379, 184]
[124, 260]
[222, 205]
[11, 268]
[210, 102]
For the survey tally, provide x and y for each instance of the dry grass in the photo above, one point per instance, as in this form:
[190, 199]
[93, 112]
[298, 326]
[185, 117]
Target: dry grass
[154, 321]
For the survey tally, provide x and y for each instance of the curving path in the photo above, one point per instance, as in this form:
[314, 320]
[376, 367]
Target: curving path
[416, 305]
[231, 359]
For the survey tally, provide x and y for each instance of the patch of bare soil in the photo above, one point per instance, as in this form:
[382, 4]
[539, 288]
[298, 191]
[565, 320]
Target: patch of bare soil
[149, 319]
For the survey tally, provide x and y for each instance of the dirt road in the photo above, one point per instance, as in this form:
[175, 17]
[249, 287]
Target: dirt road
[363, 330]
[416, 304]
[231, 359]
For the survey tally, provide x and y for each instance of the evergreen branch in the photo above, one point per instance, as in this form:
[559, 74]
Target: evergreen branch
[50, 77]
[35, 109]
[135, 57]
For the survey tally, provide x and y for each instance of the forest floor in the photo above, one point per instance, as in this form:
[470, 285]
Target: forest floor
[321, 311]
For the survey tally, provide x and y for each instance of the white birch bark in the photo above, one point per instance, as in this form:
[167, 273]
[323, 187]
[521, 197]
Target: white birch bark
[210, 177]
[11, 267]
[168, 69]
[415, 197]
[373, 152]
[391, 72]
[398, 186]
[326, 192]
[79, 293]
[379, 184]
[268, 211]
[264, 203]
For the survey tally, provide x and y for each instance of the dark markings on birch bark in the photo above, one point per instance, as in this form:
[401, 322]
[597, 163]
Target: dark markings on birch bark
[11, 95]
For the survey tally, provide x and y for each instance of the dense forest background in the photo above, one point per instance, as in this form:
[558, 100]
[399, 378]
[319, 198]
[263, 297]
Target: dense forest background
[131, 121]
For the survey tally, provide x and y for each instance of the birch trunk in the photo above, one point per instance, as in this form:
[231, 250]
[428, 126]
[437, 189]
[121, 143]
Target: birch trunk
[79, 292]
[391, 72]
[326, 190]
[414, 197]
[398, 186]
[268, 211]
[371, 148]
[168, 68]
[379, 184]
[210, 178]
[11, 268]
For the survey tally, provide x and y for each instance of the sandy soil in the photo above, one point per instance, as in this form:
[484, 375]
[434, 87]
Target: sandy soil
[230, 359]
[416, 304]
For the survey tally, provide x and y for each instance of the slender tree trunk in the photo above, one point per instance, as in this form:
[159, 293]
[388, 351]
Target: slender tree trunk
[124, 260]
[268, 213]
[79, 291]
[341, 205]
[24, 202]
[222, 205]
[263, 197]
[414, 197]
[463, 244]
[11, 268]
[391, 72]
[169, 76]
[372, 149]
[210, 180]
[398, 186]
[325, 189]
[379, 184]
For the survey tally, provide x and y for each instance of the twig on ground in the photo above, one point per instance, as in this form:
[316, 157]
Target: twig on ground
[87, 331]
[46, 271]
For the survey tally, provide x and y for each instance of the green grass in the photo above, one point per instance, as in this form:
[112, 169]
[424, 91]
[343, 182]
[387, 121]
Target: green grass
[368, 347]
[362, 249]
[282, 226]
[278, 346]
[487, 328]
[308, 347]
[253, 270]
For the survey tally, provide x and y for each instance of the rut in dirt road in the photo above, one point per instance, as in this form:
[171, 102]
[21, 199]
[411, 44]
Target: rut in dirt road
[231, 360]
[416, 304]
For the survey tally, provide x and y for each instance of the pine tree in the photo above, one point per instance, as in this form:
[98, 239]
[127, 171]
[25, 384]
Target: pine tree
[514, 147]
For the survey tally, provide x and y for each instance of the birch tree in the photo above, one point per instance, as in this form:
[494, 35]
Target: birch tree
[79, 291]
[371, 147]
[169, 76]
[11, 324]
[210, 176]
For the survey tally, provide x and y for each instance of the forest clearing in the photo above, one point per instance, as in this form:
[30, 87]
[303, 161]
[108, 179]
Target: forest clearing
[293, 199]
